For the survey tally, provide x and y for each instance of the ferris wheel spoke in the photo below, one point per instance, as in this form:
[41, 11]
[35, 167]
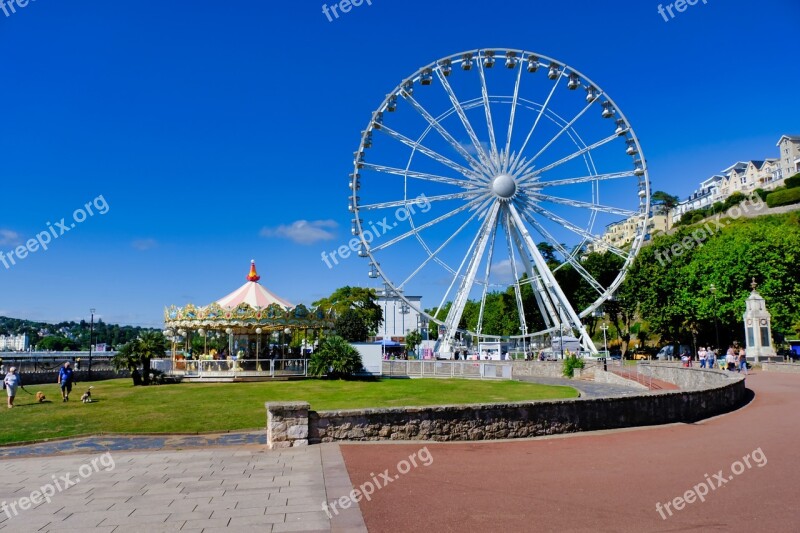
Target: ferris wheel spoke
[473, 137]
[457, 273]
[468, 281]
[488, 111]
[514, 272]
[421, 175]
[536, 122]
[443, 132]
[582, 179]
[507, 153]
[579, 231]
[583, 205]
[434, 254]
[413, 231]
[467, 173]
[415, 201]
[488, 270]
[564, 128]
[568, 256]
[568, 158]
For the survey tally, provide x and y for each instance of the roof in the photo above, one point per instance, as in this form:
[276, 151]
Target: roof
[739, 165]
[253, 293]
[794, 138]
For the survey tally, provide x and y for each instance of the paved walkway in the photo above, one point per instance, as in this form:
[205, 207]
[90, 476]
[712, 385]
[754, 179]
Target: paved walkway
[588, 389]
[603, 481]
[133, 442]
[236, 487]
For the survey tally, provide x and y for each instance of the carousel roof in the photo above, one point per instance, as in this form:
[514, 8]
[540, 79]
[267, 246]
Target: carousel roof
[253, 294]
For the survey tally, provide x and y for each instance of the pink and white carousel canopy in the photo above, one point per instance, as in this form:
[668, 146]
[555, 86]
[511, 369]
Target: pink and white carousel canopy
[253, 294]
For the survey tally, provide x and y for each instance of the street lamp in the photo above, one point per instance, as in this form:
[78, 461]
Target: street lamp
[283, 343]
[713, 290]
[91, 334]
[258, 344]
[604, 327]
[229, 331]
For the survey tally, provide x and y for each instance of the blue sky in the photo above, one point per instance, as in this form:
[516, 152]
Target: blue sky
[216, 133]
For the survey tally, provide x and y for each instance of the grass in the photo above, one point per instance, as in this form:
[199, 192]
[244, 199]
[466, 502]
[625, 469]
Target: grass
[208, 407]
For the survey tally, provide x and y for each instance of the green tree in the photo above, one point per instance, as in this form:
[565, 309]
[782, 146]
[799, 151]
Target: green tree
[360, 299]
[413, 339]
[335, 358]
[138, 352]
[350, 325]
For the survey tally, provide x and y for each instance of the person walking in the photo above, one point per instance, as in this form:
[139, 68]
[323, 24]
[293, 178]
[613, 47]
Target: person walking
[12, 381]
[743, 361]
[701, 354]
[65, 378]
[711, 359]
[730, 359]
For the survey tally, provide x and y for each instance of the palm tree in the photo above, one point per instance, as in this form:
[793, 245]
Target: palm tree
[336, 358]
[139, 352]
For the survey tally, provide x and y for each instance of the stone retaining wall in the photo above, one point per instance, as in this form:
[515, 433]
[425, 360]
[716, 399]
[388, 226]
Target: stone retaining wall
[709, 395]
[787, 368]
[44, 378]
[287, 424]
[544, 369]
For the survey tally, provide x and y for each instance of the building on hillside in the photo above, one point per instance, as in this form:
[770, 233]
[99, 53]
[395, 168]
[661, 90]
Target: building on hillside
[399, 318]
[734, 178]
[622, 233]
[707, 194]
[14, 343]
[789, 153]
[770, 175]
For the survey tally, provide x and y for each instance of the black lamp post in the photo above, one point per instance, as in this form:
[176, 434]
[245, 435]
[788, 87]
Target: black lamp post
[713, 290]
[91, 335]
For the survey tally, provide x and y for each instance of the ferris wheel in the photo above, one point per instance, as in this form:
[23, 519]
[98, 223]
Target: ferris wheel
[481, 176]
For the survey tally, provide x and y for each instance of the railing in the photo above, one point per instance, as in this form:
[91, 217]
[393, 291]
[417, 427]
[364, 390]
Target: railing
[448, 369]
[229, 368]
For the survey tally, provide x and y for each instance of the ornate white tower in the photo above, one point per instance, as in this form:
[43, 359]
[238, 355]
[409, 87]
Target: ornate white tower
[757, 327]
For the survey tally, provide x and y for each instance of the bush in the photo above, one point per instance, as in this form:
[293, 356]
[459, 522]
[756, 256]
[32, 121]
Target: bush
[570, 364]
[784, 197]
[335, 358]
[761, 193]
[792, 182]
[732, 200]
[697, 217]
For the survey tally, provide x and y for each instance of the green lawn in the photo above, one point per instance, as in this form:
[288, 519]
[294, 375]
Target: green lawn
[205, 407]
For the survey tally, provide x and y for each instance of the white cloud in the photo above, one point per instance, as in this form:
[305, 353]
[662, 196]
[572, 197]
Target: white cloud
[303, 231]
[502, 272]
[144, 244]
[8, 237]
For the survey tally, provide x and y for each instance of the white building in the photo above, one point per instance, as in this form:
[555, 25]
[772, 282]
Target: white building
[707, 194]
[789, 150]
[14, 343]
[399, 318]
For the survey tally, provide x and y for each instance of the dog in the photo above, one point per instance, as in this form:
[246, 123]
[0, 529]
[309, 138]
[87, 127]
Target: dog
[87, 396]
[40, 397]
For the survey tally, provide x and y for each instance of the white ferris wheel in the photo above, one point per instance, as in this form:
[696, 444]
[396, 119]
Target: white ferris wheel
[489, 171]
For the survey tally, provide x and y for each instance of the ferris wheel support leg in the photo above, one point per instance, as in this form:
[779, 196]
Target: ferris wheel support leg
[457, 309]
[566, 313]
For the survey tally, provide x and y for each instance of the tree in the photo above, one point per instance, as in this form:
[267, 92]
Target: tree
[138, 352]
[350, 325]
[669, 201]
[334, 358]
[413, 339]
[360, 299]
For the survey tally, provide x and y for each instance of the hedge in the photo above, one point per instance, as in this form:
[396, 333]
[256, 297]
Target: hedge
[785, 197]
[792, 182]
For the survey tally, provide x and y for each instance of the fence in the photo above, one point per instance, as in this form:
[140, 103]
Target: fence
[238, 369]
[448, 369]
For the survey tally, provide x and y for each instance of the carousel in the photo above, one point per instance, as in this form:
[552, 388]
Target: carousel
[249, 334]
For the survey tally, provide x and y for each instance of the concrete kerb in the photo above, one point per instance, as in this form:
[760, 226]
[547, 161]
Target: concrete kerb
[704, 394]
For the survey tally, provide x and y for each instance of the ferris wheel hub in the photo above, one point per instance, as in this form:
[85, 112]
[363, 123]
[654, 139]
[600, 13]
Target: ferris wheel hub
[504, 186]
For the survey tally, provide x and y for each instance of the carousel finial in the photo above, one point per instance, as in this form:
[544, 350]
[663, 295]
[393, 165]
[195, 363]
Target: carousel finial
[253, 275]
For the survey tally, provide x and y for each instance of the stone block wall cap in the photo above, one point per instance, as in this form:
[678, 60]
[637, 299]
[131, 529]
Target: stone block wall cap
[287, 406]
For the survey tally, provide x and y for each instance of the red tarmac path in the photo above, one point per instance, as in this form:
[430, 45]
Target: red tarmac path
[601, 481]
